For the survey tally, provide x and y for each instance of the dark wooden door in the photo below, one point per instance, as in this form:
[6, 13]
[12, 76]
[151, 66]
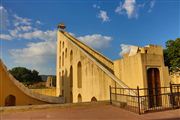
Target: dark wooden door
[154, 85]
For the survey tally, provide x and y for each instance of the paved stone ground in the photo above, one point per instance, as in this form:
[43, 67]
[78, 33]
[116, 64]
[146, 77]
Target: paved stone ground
[91, 112]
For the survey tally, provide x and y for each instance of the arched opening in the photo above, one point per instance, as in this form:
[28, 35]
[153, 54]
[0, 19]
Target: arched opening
[66, 53]
[62, 78]
[63, 93]
[71, 56]
[60, 47]
[93, 99]
[71, 76]
[10, 100]
[63, 44]
[71, 97]
[79, 75]
[79, 98]
[60, 61]
[59, 79]
[63, 59]
[154, 91]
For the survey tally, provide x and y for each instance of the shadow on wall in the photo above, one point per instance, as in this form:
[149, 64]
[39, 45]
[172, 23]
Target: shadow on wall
[66, 85]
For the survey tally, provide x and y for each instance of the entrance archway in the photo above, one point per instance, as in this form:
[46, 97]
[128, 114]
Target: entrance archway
[154, 91]
[10, 100]
[93, 99]
[79, 98]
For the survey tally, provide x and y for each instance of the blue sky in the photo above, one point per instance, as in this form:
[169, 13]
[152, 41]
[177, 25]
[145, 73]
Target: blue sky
[28, 28]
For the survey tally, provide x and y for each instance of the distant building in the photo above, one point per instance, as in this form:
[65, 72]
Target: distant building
[49, 82]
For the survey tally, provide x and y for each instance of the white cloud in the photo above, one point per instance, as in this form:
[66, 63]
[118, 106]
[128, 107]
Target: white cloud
[35, 51]
[96, 6]
[38, 34]
[21, 21]
[25, 28]
[96, 41]
[21, 29]
[124, 49]
[38, 22]
[119, 9]
[5, 37]
[4, 22]
[72, 34]
[129, 7]
[151, 5]
[103, 15]
[37, 56]
[13, 33]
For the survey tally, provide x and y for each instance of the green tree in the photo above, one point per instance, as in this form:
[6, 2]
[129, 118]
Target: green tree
[25, 75]
[172, 54]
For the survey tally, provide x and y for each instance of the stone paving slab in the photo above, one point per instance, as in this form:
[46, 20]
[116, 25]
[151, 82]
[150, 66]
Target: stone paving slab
[88, 112]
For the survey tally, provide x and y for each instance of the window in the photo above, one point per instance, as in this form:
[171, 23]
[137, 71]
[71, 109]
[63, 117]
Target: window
[66, 53]
[71, 97]
[62, 92]
[79, 75]
[63, 59]
[71, 56]
[62, 78]
[63, 45]
[59, 61]
[59, 79]
[79, 98]
[71, 77]
[60, 47]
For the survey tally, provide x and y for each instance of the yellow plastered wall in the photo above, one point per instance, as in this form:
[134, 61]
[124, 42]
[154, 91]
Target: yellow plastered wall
[45, 91]
[95, 83]
[7, 87]
[133, 69]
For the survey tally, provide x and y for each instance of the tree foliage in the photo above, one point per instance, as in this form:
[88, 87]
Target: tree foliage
[172, 54]
[25, 75]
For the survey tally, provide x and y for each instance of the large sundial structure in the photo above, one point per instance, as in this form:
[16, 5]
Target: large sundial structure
[84, 75]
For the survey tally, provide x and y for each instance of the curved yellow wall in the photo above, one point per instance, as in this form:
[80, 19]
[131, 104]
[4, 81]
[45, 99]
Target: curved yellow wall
[10, 86]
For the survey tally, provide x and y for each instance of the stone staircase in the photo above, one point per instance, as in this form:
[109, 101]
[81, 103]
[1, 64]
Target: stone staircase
[106, 65]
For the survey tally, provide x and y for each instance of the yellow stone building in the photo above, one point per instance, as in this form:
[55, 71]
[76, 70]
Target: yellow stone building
[84, 74]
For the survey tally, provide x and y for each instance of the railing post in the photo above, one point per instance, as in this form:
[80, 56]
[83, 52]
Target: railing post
[178, 96]
[115, 93]
[110, 94]
[139, 109]
[171, 95]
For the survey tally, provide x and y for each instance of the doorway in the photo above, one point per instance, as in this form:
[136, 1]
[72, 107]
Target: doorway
[154, 90]
[10, 100]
